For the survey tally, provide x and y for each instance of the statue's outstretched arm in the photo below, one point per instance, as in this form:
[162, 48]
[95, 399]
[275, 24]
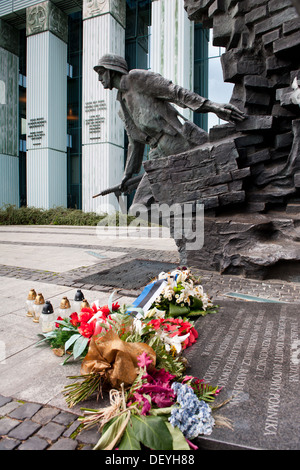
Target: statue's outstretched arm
[227, 112]
[134, 160]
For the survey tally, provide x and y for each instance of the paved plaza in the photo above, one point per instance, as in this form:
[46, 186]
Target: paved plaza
[56, 261]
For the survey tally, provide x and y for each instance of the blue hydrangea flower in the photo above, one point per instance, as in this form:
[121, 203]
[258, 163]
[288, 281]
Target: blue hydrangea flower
[191, 415]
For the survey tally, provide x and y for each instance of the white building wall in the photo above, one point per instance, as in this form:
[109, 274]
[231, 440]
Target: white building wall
[102, 151]
[172, 44]
[47, 102]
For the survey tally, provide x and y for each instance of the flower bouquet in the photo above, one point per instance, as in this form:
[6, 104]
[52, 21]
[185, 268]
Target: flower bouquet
[157, 412]
[182, 295]
[135, 354]
[72, 335]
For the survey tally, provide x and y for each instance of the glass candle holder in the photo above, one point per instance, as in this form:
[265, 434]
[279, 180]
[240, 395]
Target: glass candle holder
[38, 307]
[76, 304]
[65, 310]
[29, 307]
[84, 304]
[47, 318]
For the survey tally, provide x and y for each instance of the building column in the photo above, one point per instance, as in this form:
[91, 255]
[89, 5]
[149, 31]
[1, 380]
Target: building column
[9, 115]
[102, 128]
[172, 44]
[47, 36]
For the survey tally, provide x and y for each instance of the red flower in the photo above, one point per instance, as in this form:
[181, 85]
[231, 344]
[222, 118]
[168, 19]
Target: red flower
[74, 319]
[176, 326]
[86, 314]
[57, 325]
[87, 329]
[106, 311]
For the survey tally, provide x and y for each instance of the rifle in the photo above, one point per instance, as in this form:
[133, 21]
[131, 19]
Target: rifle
[130, 186]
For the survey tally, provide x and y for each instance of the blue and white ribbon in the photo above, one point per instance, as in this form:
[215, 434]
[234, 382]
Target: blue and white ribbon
[147, 297]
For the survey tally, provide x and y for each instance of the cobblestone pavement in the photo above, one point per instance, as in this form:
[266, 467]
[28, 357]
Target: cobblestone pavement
[32, 426]
[45, 424]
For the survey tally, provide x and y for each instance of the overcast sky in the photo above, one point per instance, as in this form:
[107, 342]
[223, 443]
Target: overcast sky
[218, 91]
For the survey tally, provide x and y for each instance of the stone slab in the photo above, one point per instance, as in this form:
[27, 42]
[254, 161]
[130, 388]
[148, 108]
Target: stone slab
[130, 275]
[252, 351]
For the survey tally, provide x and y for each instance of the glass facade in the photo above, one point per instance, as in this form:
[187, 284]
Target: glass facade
[218, 90]
[22, 119]
[137, 48]
[201, 60]
[138, 22]
[74, 119]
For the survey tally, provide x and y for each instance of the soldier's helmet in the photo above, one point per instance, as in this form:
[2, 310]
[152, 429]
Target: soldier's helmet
[112, 62]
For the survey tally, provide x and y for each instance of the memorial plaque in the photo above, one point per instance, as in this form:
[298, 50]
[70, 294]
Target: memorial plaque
[37, 133]
[252, 351]
[94, 121]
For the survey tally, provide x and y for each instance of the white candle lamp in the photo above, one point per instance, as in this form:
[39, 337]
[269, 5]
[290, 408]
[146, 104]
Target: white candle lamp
[29, 307]
[47, 318]
[76, 304]
[38, 307]
[64, 310]
[84, 304]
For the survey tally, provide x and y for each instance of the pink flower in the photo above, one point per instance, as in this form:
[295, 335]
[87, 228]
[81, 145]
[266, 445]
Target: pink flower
[143, 360]
[142, 400]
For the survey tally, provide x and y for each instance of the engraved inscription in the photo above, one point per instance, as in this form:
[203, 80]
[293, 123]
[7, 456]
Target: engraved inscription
[94, 121]
[253, 355]
[36, 127]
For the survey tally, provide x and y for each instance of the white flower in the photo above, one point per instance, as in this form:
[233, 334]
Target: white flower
[138, 325]
[154, 312]
[174, 341]
[168, 292]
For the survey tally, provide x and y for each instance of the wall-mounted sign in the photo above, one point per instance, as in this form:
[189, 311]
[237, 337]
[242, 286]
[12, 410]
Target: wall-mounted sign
[36, 127]
[94, 121]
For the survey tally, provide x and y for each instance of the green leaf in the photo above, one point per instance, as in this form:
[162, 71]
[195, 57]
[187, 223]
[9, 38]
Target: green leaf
[64, 323]
[110, 301]
[179, 441]
[113, 433]
[177, 310]
[79, 346]
[152, 432]
[129, 440]
[136, 309]
[71, 341]
[197, 304]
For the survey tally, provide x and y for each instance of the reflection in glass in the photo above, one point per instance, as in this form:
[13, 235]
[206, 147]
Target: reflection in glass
[74, 118]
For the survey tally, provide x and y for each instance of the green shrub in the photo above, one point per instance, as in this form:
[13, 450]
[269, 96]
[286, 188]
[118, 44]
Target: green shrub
[11, 215]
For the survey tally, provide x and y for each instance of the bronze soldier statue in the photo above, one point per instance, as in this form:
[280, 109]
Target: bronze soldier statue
[146, 100]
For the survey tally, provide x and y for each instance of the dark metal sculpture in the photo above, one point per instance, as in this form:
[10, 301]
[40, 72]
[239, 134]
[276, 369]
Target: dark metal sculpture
[150, 118]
